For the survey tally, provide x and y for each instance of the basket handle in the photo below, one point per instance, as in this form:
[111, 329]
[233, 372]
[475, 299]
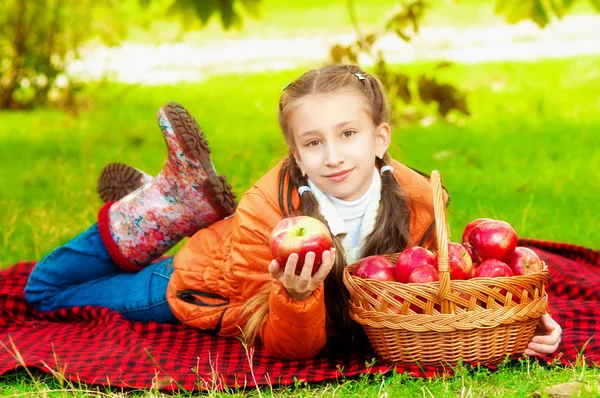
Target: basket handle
[441, 229]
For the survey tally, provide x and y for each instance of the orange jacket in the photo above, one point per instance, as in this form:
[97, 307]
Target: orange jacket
[222, 266]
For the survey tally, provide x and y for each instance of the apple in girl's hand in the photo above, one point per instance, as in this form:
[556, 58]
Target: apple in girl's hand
[301, 234]
[460, 261]
[410, 259]
[492, 239]
[524, 261]
[375, 267]
[469, 228]
[493, 268]
[424, 274]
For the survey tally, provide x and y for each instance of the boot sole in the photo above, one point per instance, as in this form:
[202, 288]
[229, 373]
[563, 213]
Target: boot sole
[195, 145]
[118, 180]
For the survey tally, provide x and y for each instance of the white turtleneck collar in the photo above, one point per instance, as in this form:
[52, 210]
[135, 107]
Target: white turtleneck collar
[356, 217]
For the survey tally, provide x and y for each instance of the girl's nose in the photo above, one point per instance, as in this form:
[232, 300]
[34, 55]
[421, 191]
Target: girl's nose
[334, 155]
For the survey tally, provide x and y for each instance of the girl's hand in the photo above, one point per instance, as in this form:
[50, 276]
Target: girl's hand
[300, 287]
[546, 339]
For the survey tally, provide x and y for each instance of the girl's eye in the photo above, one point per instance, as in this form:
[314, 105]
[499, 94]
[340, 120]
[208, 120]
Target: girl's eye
[313, 143]
[348, 133]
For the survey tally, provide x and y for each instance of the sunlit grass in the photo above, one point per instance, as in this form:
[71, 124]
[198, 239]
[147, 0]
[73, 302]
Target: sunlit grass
[514, 379]
[528, 155]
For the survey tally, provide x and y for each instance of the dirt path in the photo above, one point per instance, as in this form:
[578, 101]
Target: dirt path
[171, 63]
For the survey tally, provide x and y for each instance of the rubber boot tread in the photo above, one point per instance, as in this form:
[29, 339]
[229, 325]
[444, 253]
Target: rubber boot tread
[118, 180]
[195, 145]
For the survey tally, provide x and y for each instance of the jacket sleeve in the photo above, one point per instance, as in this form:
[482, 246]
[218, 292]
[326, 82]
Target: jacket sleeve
[293, 329]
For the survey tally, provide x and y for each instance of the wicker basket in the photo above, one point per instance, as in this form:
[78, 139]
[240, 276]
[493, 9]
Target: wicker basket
[480, 320]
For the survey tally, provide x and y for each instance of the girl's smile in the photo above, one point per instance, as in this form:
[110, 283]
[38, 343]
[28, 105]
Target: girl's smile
[339, 176]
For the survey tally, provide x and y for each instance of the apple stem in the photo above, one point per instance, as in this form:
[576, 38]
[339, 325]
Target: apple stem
[301, 231]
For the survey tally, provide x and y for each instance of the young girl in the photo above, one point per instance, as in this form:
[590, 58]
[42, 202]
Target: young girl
[224, 280]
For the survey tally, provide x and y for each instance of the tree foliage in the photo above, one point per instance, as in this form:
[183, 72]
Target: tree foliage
[405, 23]
[401, 88]
[203, 10]
[539, 11]
[38, 39]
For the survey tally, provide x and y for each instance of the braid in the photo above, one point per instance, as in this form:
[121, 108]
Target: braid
[392, 226]
[336, 294]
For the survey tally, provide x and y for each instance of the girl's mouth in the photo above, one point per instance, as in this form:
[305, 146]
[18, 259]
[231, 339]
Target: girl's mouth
[339, 176]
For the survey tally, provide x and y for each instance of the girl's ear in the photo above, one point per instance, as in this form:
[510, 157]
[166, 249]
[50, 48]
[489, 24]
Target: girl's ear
[383, 135]
[298, 162]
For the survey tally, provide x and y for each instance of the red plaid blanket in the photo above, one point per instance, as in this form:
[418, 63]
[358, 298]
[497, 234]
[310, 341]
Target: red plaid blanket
[98, 346]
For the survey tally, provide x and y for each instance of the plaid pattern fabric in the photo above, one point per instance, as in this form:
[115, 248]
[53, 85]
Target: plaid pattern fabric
[98, 346]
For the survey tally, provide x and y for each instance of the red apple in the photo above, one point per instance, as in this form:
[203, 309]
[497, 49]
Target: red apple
[299, 235]
[460, 261]
[469, 228]
[410, 259]
[493, 268]
[524, 261]
[492, 239]
[424, 274]
[470, 251]
[473, 270]
[375, 267]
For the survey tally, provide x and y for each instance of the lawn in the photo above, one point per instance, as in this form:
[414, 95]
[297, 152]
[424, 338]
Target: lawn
[528, 155]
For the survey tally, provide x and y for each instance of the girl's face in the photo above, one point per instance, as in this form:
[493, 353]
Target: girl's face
[336, 142]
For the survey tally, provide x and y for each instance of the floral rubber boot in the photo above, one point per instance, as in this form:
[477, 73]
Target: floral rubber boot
[187, 195]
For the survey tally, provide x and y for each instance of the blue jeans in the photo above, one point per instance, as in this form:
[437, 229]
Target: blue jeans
[82, 273]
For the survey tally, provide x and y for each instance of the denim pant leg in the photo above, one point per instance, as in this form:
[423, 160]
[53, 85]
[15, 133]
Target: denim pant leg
[82, 273]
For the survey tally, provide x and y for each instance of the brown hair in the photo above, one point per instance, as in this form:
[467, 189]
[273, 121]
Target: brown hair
[392, 227]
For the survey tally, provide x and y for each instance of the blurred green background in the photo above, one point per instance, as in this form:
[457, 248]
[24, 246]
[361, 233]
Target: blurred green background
[501, 97]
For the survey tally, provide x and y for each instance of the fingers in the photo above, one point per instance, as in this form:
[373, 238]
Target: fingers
[326, 265]
[552, 339]
[541, 349]
[548, 343]
[552, 334]
[274, 269]
[290, 270]
[301, 286]
[547, 322]
[306, 273]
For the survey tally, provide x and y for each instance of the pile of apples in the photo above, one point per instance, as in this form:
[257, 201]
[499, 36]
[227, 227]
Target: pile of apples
[489, 249]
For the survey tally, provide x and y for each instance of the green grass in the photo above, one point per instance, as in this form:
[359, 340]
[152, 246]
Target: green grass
[514, 379]
[528, 155]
